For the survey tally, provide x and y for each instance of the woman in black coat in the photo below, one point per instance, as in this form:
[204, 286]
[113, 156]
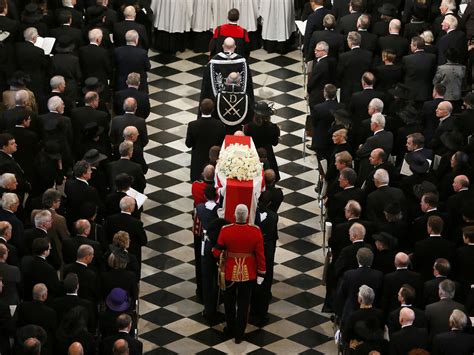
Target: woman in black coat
[264, 133]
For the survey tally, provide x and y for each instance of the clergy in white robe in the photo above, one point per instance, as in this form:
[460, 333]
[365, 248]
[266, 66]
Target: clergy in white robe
[278, 19]
[220, 8]
[172, 16]
[203, 19]
[248, 13]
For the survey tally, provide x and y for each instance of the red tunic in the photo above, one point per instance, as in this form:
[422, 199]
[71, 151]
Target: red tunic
[247, 242]
[231, 30]
[197, 190]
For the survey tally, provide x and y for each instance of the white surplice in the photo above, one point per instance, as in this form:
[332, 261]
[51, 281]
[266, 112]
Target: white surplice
[278, 19]
[202, 16]
[248, 13]
[173, 16]
[220, 8]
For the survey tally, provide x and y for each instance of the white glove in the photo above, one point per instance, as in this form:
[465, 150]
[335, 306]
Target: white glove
[259, 280]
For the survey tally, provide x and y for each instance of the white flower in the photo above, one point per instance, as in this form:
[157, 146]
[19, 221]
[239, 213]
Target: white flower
[238, 161]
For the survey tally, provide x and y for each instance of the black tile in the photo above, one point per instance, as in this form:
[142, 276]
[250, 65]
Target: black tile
[290, 140]
[282, 61]
[163, 228]
[299, 246]
[307, 319]
[161, 336]
[162, 262]
[160, 351]
[252, 60]
[305, 300]
[283, 73]
[289, 112]
[161, 316]
[163, 122]
[311, 352]
[209, 337]
[196, 84]
[193, 110]
[292, 168]
[162, 298]
[163, 96]
[284, 86]
[163, 244]
[162, 279]
[163, 110]
[299, 230]
[164, 71]
[302, 264]
[211, 351]
[163, 151]
[195, 97]
[164, 84]
[254, 73]
[310, 338]
[163, 166]
[290, 154]
[296, 199]
[286, 100]
[289, 126]
[303, 281]
[164, 137]
[163, 181]
[198, 317]
[261, 352]
[201, 59]
[294, 183]
[261, 337]
[163, 196]
[165, 58]
[163, 212]
[295, 214]
[199, 72]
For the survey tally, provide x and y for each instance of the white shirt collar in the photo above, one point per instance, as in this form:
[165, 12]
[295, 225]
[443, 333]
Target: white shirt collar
[377, 131]
[81, 263]
[324, 56]
[82, 180]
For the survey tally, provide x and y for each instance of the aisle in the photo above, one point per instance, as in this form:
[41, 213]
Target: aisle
[171, 319]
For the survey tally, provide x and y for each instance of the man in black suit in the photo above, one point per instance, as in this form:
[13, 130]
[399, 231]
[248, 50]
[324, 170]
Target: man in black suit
[65, 28]
[445, 125]
[76, 14]
[131, 58]
[121, 28]
[353, 279]
[429, 206]
[58, 87]
[418, 70]
[143, 102]
[340, 8]
[455, 203]
[95, 59]
[10, 203]
[99, 7]
[428, 250]
[351, 66]
[130, 134]
[464, 261]
[22, 108]
[79, 192]
[368, 39]
[441, 270]
[35, 269]
[202, 134]
[348, 23]
[330, 36]
[430, 120]
[377, 200]
[32, 60]
[394, 41]
[457, 340]
[124, 326]
[71, 245]
[128, 119]
[406, 298]
[81, 116]
[453, 38]
[125, 165]
[321, 120]
[123, 221]
[322, 73]
[5, 237]
[378, 160]
[437, 314]
[335, 205]
[394, 280]
[314, 23]
[358, 105]
[277, 193]
[409, 337]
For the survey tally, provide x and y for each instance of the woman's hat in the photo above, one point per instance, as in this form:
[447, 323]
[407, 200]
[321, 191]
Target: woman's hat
[92, 84]
[453, 140]
[418, 163]
[388, 9]
[31, 13]
[400, 90]
[264, 108]
[19, 79]
[387, 239]
[117, 300]
[409, 115]
[93, 156]
[64, 44]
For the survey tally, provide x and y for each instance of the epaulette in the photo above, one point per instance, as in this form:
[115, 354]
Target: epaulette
[227, 225]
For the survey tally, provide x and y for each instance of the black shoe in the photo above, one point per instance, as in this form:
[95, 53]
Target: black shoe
[310, 147]
[261, 322]
[327, 309]
[238, 340]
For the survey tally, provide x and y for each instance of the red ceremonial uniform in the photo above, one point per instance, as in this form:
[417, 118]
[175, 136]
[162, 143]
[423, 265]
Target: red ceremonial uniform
[231, 30]
[243, 244]
[197, 190]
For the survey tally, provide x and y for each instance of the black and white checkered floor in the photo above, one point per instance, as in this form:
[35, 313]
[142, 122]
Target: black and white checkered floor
[171, 319]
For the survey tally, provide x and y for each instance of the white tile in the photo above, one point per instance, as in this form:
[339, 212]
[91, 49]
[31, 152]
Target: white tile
[185, 308]
[185, 327]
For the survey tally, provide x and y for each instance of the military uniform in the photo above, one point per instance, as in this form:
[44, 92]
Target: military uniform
[245, 259]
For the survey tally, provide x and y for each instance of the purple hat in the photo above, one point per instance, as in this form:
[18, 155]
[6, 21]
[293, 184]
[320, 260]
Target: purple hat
[117, 300]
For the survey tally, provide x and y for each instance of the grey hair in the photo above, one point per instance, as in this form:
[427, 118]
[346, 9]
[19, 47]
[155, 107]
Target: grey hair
[381, 176]
[127, 203]
[83, 251]
[458, 319]
[354, 37]
[447, 289]
[376, 104]
[366, 295]
[241, 213]
[95, 34]
[450, 4]
[324, 45]
[131, 36]
[57, 80]
[378, 119]
[452, 22]
[39, 290]
[30, 34]
[9, 199]
[365, 257]
[6, 179]
[42, 217]
[357, 230]
[129, 131]
[54, 102]
[125, 148]
[21, 96]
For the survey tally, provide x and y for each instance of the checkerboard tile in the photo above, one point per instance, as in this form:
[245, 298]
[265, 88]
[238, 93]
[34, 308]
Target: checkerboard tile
[170, 315]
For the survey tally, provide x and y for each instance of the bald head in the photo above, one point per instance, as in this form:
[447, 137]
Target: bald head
[407, 316]
[229, 45]
[127, 204]
[40, 292]
[83, 227]
[460, 182]
[444, 109]
[394, 26]
[120, 347]
[270, 177]
[208, 172]
[401, 260]
[75, 349]
[129, 12]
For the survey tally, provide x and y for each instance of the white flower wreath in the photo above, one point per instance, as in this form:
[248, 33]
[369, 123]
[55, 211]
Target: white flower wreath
[238, 161]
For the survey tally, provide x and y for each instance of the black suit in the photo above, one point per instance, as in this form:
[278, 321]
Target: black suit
[120, 278]
[128, 119]
[437, 315]
[63, 304]
[331, 37]
[121, 28]
[418, 227]
[392, 284]
[35, 270]
[71, 245]
[28, 146]
[9, 165]
[453, 342]
[348, 23]
[464, 264]
[18, 230]
[335, 205]
[347, 258]
[321, 120]
[431, 290]
[95, 61]
[427, 251]
[340, 235]
[455, 39]
[135, 346]
[34, 233]
[430, 121]
[131, 59]
[32, 61]
[13, 257]
[377, 200]
[131, 168]
[314, 23]
[445, 126]
[387, 76]
[323, 73]
[418, 70]
[78, 193]
[368, 41]
[359, 103]
[73, 32]
[89, 284]
[202, 134]
[80, 116]
[396, 42]
[77, 16]
[350, 68]
[408, 338]
[143, 102]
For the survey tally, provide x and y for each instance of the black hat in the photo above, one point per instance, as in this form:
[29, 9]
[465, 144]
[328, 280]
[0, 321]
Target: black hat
[264, 108]
[453, 140]
[392, 208]
[64, 43]
[388, 9]
[387, 239]
[92, 84]
[53, 150]
[342, 116]
[418, 163]
[96, 12]
[469, 99]
[93, 156]
[31, 13]
[420, 189]
[400, 90]
[19, 79]
[409, 115]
